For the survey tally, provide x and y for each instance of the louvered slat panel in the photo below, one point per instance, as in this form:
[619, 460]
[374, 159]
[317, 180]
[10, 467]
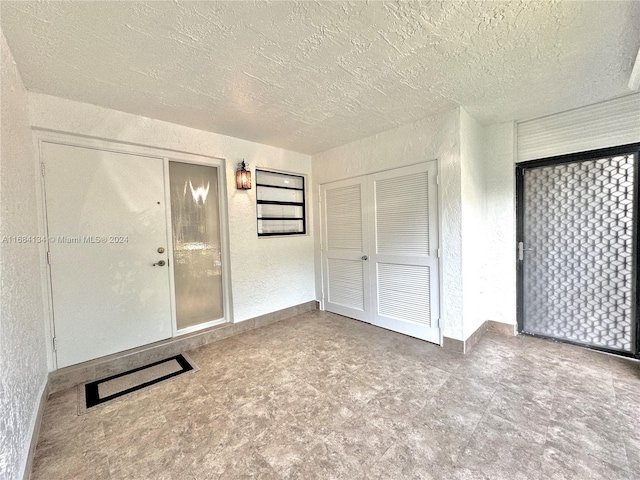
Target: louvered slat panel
[607, 124]
[404, 292]
[402, 215]
[344, 218]
[346, 283]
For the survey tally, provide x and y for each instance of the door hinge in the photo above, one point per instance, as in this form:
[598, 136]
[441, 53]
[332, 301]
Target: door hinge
[42, 168]
[438, 252]
[48, 257]
[54, 341]
[437, 179]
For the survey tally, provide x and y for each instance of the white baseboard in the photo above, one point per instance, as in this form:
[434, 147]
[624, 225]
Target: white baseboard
[35, 431]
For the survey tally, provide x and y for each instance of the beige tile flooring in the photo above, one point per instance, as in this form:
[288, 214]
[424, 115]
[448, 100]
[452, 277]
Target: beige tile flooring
[320, 396]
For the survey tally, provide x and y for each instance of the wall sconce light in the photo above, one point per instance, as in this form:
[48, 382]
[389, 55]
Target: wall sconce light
[243, 176]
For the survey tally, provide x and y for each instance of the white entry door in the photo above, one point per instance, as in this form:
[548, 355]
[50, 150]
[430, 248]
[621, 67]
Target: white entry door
[106, 221]
[393, 280]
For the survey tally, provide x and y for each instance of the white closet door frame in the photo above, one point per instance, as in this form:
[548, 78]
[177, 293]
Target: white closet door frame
[65, 138]
[433, 166]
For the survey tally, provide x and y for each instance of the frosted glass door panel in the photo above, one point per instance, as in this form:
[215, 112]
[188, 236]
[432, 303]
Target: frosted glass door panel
[197, 255]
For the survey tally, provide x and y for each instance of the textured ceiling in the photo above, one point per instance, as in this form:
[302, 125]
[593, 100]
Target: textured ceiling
[309, 76]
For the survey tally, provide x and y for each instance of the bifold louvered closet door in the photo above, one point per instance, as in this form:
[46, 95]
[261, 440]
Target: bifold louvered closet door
[380, 243]
[346, 282]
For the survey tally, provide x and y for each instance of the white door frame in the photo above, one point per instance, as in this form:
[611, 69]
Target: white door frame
[440, 224]
[41, 136]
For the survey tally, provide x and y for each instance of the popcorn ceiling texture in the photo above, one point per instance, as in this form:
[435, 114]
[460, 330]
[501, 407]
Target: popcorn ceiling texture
[310, 76]
[267, 274]
[23, 364]
[429, 139]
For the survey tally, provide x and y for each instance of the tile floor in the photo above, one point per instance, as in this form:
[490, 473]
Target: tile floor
[322, 396]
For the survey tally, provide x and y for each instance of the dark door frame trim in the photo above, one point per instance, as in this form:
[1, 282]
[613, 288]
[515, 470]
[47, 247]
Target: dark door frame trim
[521, 167]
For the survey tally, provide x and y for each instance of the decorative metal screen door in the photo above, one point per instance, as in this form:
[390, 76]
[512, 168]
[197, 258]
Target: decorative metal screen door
[576, 249]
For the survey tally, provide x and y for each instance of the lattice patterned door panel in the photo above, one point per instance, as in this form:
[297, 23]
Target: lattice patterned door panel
[578, 249]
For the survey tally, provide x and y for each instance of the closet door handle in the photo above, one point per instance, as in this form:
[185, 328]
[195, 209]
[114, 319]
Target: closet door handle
[364, 257]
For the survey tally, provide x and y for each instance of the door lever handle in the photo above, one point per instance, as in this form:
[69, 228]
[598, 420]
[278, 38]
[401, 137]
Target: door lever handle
[521, 250]
[161, 263]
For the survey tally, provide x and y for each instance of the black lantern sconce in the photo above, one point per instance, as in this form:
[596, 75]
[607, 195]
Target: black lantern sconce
[243, 176]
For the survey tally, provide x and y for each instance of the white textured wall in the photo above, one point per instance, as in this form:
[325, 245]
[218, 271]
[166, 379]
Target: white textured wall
[500, 290]
[474, 224]
[432, 138]
[23, 365]
[267, 274]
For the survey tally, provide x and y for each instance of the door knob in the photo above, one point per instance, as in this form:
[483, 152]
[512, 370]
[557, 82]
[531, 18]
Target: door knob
[364, 257]
[161, 263]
